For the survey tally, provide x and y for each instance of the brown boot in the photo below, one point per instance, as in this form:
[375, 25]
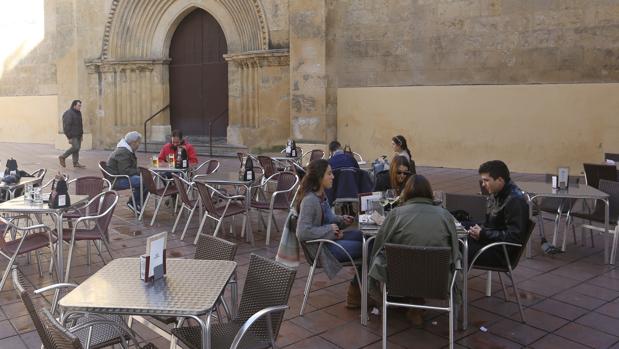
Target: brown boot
[415, 316]
[61, 160]
[353, 297]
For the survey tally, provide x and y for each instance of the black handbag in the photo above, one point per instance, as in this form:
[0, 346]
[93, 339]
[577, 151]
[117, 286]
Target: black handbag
[60, 194]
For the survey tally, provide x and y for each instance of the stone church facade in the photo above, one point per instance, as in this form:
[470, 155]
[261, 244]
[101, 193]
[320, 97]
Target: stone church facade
[531, 82]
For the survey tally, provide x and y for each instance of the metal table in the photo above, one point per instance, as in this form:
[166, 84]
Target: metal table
[18, 205]
[12, 188]
[232, 180]
[190, 289]
[574, 191]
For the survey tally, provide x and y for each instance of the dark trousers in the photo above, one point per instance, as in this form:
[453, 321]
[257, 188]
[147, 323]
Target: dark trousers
[493, 257]
[74, 150]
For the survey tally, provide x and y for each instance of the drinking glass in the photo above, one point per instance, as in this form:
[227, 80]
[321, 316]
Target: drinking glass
[390, 195]
[38, 198]
[28, 193]
[378, 207]
[170, 160]
[155, 161]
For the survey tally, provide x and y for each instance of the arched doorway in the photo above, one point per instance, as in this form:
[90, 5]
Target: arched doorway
[199, 76]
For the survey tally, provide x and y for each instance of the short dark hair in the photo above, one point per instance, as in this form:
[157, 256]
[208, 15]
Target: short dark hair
[74, 103]
[417, 186]
[335, 145]
[496, 169]
[177, 133]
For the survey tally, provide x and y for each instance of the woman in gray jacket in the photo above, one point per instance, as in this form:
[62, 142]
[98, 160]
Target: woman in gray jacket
[317, 220]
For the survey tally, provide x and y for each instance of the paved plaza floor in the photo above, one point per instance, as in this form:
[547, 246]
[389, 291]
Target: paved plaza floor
[571, 299]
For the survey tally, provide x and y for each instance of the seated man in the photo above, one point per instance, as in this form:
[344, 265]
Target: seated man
[507, 217]
[339, 158]
[175, 142]
[124, 162]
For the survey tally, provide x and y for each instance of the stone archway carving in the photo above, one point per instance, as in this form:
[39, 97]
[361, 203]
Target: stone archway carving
[129, 80]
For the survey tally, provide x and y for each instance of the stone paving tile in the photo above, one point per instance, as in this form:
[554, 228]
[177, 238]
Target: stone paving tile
[573, 286]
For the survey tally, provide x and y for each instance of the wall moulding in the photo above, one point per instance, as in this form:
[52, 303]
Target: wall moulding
[265, 58]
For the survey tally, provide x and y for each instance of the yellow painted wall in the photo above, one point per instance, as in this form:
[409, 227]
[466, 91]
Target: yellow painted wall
[29, 119]
[533, 128]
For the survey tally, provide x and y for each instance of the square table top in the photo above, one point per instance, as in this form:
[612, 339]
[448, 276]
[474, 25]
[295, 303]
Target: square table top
[190, 287]
[18, 204]
[573, 191]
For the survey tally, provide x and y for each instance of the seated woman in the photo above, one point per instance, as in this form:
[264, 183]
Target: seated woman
[400, 147]
[317, 221]
[416, 222]
[397, 175]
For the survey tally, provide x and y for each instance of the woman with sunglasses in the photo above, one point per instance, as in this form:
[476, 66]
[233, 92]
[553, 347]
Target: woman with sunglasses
[397, 175]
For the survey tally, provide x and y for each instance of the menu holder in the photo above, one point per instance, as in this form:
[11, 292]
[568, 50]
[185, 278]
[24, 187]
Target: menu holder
[153, 263]
[563, 177]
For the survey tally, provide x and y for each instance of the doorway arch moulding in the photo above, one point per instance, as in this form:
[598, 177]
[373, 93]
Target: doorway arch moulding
[129, 81]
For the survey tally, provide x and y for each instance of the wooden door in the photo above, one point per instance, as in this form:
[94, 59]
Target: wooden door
[199, 76]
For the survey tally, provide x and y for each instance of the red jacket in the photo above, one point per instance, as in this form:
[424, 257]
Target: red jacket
[168, 148]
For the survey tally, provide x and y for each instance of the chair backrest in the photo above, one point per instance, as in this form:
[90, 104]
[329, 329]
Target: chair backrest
[147, 180]
[357, 156]
[91, 186]
[213, 248]
[611, 156]
[515, 256]
[208, 167]
[316, 154]
[205, 196]
[183, 187]
[39, 174]
[345, 184]
[268, 283]
[473, 204]
[612, 189]
[59, 336]
[107, 204]
[286, 181]
[267, 164]
[104, 171]
[418, 271]
[19, 284]
[595, 172]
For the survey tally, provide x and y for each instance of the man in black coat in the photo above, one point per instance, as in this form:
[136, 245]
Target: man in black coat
[507, 216]
[74, 130]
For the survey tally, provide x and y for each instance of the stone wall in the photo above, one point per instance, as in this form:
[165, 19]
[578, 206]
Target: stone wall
[454, 42]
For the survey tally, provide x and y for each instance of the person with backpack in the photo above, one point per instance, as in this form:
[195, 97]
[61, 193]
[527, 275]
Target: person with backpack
[72, 127]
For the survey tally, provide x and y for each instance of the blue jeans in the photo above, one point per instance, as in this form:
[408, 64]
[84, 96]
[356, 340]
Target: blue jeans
[352, 242]
[122, 183]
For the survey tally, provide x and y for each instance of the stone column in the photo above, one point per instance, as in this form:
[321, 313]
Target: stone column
[258, 98]
[308, 70]
[125, 94]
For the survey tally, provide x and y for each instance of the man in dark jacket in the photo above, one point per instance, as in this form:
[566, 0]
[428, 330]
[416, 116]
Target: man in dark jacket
[340, 159]
[124, 162]
[507, 216]
[74, 130]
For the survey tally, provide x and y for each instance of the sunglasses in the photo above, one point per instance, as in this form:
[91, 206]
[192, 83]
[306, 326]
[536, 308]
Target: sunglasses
[403, 173]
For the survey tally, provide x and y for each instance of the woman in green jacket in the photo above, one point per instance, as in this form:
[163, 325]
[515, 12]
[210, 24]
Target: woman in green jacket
[416, 222]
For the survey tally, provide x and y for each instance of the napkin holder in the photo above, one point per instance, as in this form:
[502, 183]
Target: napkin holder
[158, 272]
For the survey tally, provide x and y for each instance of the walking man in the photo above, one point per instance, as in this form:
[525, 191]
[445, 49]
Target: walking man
[73, 129]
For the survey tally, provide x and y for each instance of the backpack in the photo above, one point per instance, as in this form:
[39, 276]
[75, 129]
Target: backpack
[11, 173]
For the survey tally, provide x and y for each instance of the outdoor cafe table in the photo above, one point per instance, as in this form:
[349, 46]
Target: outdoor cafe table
[232, 179]
[574, 191]
[10, 189]
[369, 232]
[19, 206]
[190, 289]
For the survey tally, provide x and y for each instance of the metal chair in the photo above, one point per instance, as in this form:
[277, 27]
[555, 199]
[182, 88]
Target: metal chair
[169, 189]
[184, 188]
[358, 157]
[233, 206]
[92, 228]
[208, 167]
[595, 172]
[313, 256]
[280, 198]
[261, 311]
[611, 156]
[511, 253]
[105, 331]
[113, 178]
[268, 165]
[314, 154]
[612, 189]
[91, 186]
[422, 272]
[32, 238]
[473, 204]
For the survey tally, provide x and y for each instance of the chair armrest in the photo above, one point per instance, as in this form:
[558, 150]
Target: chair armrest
[263, 312]
[485, 248]
[55, 286]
